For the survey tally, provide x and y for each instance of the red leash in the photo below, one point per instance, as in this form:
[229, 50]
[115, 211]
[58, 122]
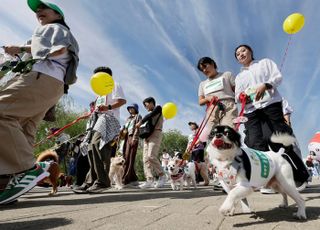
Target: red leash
[63, 128]
[243, 100]
[214, 101]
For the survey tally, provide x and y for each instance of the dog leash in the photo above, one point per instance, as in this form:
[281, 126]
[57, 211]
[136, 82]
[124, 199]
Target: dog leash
[215, 101]
[63, 128]
[243, 100]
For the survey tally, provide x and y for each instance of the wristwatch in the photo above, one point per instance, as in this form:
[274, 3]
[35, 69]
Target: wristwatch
[109, 107]
[268, 86]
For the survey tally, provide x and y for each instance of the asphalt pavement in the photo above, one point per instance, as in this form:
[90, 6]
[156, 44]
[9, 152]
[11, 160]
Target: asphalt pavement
[133, 208]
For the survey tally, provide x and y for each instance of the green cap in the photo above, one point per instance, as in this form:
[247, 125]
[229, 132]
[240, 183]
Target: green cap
[34, 4]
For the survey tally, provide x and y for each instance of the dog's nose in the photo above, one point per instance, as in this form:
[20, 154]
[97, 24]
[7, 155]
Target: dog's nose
[218, 135]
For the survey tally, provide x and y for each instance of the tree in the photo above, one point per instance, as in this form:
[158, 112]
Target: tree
[172, 141]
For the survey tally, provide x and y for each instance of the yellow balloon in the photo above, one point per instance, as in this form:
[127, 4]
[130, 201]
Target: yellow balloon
[293, 23]
[102, 83]
[169, 110]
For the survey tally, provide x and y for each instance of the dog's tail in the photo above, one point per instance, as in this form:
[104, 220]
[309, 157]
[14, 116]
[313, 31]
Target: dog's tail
[283, 138]
[48, 155]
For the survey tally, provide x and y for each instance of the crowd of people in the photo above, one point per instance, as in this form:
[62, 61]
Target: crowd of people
[41, 82]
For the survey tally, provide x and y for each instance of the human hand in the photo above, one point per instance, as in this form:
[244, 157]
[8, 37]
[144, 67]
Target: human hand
[134, 142]
[243, 96]
[207, 99]
[260, 92]
[211, 98]
[138, 125]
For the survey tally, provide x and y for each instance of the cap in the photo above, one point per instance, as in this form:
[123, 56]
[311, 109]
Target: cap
[135, 106]
[54, 129]
[34, 4]
[193, 123]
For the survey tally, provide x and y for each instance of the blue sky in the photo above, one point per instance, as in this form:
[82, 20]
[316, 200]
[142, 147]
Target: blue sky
[153, 46]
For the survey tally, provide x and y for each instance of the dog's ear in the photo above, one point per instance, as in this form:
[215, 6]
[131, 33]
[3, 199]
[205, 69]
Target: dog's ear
[233, 135]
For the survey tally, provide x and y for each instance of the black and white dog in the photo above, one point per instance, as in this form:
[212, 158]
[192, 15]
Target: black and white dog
[253, 169]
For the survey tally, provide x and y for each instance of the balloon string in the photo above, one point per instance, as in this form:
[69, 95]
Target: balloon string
[285, 53]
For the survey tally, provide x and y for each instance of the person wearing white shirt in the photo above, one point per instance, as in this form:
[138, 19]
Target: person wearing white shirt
[220, 85]
[105, 127]
[257, 83]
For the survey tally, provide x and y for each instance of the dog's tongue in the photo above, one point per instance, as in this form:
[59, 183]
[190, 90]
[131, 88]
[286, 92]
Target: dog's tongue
[218, 143]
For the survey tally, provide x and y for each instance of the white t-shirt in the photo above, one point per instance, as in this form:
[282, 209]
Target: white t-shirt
[117, 93]
[258, 73]
[53, 66]
[220, 86]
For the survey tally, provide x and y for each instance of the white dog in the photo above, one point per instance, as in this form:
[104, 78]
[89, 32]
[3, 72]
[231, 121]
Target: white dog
[116, 171]
[179, 174]
[253, 169]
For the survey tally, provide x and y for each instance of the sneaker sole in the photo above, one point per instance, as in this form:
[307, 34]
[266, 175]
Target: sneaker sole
[146, 187]
[268, 193]
[102, 190]
[80, 191]
[26, 189]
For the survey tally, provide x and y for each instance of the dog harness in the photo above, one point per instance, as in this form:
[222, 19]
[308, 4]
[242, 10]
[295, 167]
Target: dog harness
[259, 167]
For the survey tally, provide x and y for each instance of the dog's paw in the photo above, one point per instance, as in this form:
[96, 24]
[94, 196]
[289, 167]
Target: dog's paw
[232, 211]
[283, 206]
[52, 193]
[300, 215]
[118, 187]
[226, 211]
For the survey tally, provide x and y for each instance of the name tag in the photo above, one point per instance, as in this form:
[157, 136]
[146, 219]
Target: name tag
[213, 86]
[101, 101]
[251, 92]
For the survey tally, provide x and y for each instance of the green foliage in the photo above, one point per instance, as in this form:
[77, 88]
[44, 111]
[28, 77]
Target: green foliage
[139, 164]
[172, 141]
[64, 115]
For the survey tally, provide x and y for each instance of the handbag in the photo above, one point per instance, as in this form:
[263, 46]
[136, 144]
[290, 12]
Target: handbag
[147, 128]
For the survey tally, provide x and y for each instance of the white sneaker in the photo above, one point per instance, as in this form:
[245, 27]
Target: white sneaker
[267, 191]
[161, 181]
[147, 184]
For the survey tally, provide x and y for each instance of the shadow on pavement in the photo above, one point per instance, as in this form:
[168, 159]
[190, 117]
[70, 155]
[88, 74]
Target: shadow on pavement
[37, 224]
[112, 196]
[279, 214]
